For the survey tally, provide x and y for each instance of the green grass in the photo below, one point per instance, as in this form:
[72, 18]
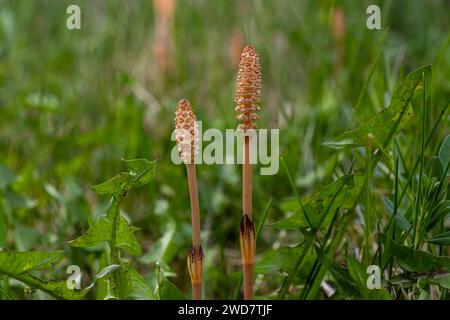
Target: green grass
[74, 103]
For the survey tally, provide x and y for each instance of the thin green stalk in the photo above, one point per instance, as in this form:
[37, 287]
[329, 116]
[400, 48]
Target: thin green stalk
[316, 268]
[410, 177]
[263, 219]
[402, 159]
[331, 251]
[297, 196]
[436, 196]
[290, 278]
[429, 138]
[394, 214]
[318, 271]
[5, 294]
[419, 216]
[367, 214]
[371, 70]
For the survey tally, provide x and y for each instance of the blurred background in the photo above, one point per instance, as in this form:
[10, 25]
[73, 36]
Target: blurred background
[74, 102]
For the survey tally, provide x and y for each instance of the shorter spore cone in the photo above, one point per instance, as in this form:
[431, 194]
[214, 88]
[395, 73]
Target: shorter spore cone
[187, 132]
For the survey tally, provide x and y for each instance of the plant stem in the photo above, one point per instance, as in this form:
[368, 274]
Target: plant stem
[247, 180]
[195, 259]
[367, 214]
[247, 240]
[197, 290]
[247, 272]
[371, 70]
[195, 212]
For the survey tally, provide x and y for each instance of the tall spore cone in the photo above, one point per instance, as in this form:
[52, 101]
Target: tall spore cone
[248, 89]
[187, 135]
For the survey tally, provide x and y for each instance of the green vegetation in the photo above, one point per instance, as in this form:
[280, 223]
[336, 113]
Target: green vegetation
[364, 143]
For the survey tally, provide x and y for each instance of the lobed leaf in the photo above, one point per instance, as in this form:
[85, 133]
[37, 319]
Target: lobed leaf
[19, 265]
[115, 186]
[101, 231]
[15, 262]
[141, 172]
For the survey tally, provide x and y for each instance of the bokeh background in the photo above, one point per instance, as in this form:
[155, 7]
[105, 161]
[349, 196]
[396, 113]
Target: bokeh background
[74, 102]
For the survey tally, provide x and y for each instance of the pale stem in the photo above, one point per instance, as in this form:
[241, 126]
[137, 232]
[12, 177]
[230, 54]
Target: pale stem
[247, 179]
[247, 270]
[197, 291]
[195, 213]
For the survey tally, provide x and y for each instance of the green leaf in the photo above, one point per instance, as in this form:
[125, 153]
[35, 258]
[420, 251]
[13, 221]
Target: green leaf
[382, 127]
[101, 231]
[19, 262]
[115, 186]
[444, 153]
[279, 259]
[442, 239]
[114, 229]
[340, 274]
[161, 249]
[434, 168]
[272, 261]
[402, 280]
[132, 285]
[167, 290]
[359, 274]
[142, 170]
[105, 272]
[57, 289]
[442, 280]
[416, 261]
[19, 265]
[339, 194]
[402, 222]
